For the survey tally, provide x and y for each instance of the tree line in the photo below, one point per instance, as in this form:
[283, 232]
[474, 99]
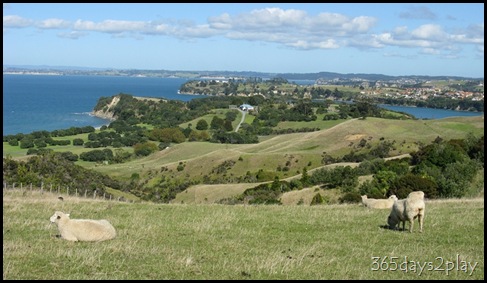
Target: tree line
[442, 169]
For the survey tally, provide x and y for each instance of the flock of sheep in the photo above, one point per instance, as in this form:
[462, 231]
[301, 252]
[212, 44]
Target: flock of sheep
[403, 210]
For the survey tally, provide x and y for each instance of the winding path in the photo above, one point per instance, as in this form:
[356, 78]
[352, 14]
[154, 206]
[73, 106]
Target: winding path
[241, 120]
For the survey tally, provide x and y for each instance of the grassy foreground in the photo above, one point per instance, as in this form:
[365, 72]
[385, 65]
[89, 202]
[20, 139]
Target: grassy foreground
[178, 241]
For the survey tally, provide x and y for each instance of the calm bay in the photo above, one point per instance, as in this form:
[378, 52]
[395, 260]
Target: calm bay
[43, 102]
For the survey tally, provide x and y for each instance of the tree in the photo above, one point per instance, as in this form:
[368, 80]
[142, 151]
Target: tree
[304, 177]
[78, 141]
[383, 179]
[227, 125]
[402, 186]
[144, 149]
[317, 199]
[202, 125]
[231, 115]
[26, 143]
[216, 123]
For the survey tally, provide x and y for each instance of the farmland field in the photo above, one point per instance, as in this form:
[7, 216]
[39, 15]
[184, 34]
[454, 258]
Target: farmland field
[210, 241]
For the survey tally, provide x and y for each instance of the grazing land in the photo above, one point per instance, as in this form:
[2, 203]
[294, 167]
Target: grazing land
[211, 241]
[200, 160]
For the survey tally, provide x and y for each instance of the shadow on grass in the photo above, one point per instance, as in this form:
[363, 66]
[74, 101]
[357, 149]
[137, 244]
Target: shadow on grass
[386, 227]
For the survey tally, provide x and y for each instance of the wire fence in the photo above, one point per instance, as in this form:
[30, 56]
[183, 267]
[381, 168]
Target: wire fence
[66, 191]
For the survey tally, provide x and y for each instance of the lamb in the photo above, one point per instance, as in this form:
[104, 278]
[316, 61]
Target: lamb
[83, 229]
[379, 203]
[408, 209]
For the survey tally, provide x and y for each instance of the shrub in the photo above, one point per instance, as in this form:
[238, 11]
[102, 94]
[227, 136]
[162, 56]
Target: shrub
[402, 186]
[78, 141]
[317, 199]
[144, 149]
[351, 197]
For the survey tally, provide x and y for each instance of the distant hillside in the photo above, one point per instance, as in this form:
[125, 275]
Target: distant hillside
[226, 166]
[206, 73]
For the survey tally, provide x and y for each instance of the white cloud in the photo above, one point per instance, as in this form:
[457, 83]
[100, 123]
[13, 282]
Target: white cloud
[53, 24]
[72, 34]
[265, 19]
[430, 51]
[14, 21]
[290, 28]
[398, 55]
[430, 32]
[327, 44]
[110, 26]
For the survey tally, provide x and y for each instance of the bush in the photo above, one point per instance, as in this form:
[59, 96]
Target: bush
[78, 141]
[31, 151]
[68, 155]
[144, 149]
[351, 197]
[317, 199]
[13, 142]
[202, 125]
[408, 183]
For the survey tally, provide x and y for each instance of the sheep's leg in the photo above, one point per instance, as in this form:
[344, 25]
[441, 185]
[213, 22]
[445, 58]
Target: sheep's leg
[69, 237]
[420, 220]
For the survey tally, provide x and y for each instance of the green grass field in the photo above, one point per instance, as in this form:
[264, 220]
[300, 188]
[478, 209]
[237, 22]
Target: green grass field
[209, 241]
[299, 150]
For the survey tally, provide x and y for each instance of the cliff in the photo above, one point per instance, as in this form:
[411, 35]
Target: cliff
[106, 112]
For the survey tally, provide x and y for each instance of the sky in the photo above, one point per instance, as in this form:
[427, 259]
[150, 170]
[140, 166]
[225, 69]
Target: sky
[392, 39]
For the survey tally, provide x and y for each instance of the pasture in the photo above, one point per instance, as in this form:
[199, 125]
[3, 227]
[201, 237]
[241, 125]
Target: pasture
[210, 241]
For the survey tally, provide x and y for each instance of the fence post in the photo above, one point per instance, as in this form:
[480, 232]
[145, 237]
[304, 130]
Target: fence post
[50, 190]
[31, 186]
[94, 194]
[67, 190]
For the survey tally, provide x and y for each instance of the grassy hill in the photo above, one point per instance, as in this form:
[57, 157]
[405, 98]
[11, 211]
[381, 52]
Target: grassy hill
[228, 162]
[179, 241]
[226, 165]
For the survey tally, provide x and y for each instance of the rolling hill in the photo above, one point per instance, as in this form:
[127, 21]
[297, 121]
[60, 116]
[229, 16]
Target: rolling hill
[226, 165]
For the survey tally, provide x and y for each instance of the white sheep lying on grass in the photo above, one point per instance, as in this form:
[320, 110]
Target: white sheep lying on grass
[378, 203]
[408, 209]
[83, 229]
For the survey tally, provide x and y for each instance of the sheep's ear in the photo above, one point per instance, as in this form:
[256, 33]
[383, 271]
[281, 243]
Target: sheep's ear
[59, 217]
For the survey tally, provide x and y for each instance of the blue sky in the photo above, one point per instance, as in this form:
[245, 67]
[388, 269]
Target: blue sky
[390, 39]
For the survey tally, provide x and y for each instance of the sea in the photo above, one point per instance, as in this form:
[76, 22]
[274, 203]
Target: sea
[54, 102]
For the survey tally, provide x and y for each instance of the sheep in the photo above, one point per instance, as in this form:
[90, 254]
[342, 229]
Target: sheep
[379, 203]
[83, 229]
[408, 209]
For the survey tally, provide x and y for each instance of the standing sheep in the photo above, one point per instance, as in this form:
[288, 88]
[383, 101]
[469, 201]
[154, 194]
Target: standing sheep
[408, 209]
[378, 203]
[83, 229]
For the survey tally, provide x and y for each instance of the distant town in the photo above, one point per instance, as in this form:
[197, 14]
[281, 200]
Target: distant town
[413, 87]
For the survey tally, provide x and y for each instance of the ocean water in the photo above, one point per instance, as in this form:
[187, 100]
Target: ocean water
[429, 113]
[43, 102]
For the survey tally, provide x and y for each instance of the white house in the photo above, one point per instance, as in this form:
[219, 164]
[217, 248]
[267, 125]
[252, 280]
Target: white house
[246, 107]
